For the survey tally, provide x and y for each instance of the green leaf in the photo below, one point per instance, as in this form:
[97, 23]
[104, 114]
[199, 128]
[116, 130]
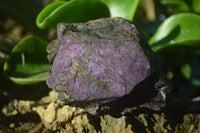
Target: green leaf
[178, 31]
[58, 0]
[186, 70]
[11, 108]
[196, 5]
[190, 69]
[180, 5]
[195, 82]
[27, 62]
[71, 12]
[125, 9]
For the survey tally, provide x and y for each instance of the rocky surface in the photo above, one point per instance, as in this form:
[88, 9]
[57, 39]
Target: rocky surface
[49, 115]
[103, 61]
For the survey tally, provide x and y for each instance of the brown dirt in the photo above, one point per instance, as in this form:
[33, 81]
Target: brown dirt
[49, 115]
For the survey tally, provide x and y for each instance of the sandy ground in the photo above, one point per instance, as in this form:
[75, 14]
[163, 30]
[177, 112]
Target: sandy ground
[49, 115]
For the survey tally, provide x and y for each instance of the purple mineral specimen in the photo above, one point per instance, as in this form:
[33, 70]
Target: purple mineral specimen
[98, 61]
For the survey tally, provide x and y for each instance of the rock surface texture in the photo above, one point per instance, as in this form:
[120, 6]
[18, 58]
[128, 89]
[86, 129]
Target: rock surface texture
[104, 65]
[48, 114]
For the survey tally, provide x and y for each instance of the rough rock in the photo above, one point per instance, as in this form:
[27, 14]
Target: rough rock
[176, 117]
[120, 125]
[101, 61]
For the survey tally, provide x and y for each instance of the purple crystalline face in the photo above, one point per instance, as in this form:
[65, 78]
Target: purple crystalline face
[98, 61]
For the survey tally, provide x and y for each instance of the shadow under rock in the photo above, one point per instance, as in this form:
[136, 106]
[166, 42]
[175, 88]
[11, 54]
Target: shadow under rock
[18, 119]
[139, 125]
[22, 92]
[95, 121]
[142, 93]
[176, 109]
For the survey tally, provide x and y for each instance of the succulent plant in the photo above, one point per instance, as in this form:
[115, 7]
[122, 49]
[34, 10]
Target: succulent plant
[101, 62]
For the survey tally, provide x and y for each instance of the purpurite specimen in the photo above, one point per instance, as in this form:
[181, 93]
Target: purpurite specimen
[101, 62]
